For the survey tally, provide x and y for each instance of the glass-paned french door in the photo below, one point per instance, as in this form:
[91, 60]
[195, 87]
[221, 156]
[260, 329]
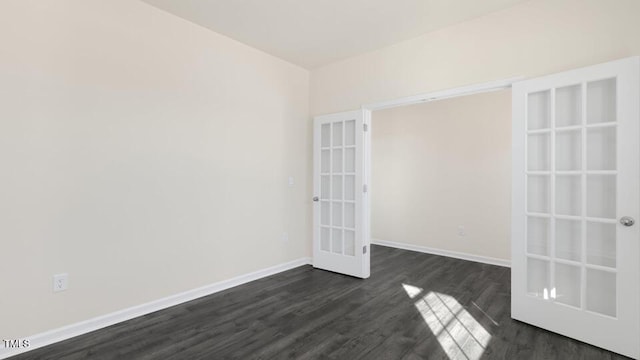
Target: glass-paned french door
[339, 170]
[576, 179]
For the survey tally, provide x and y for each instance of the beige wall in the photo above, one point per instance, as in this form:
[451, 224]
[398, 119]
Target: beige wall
[534, 38]
[143, 155]
[441, 165]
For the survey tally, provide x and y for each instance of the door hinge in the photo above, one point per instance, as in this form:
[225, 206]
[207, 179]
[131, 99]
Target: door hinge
[365, 127]
[365, 188]
[364, 249]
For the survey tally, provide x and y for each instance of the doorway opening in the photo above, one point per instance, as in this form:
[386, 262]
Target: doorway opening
[441, 177]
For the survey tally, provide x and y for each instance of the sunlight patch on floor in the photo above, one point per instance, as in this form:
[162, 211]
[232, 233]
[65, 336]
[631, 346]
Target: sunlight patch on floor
[411, 290]
[459, 334]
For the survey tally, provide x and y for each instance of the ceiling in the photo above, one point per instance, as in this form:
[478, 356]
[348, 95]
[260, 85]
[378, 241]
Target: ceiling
[313, 33]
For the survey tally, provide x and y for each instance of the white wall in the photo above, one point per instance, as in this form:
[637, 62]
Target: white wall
[143, 155]
[441, 165]
[535, 38]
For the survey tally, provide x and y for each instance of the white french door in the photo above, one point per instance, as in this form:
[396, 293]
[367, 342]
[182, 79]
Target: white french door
[340, 238]
[576, 192]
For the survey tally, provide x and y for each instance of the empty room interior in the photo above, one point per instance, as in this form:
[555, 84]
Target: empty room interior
[279, 179]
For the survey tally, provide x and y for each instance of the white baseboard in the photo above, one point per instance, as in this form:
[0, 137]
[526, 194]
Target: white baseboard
[83, 327]
[452, 254]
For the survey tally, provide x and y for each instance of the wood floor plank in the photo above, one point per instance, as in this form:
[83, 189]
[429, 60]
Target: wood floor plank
[307, 313]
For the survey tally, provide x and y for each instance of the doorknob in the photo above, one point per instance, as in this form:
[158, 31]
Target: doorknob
[627, 221]
[315, 198]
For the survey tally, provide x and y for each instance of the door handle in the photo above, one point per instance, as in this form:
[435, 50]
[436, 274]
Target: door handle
[316, 199]
[627, 221]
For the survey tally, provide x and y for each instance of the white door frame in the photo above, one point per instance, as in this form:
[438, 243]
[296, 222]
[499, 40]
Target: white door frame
[444, 94]
[412, 100]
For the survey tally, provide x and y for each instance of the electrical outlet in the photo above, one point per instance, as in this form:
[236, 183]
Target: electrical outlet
[60, 282]
[461, 231]
[291, 181]
[285, 237]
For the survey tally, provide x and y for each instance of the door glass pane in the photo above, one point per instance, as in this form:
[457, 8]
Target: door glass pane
[337, 187]
[568, 150]
[538, 194]
[337, 134]
[337, 160]
[350, 160]
[601, 196]
[537, 235]
[325, 213]
[350, 132]
[538, 278]
[601, 101]
[325, 135]
[568, 195]
[336, 241]
[601, 244]
[336, 214]
[601, 292]
[538, 152]
[350, 187]
[349, 243]
[325, 239]
[325, 161]
[567, 288]
[568, 106]
[350, 215]
[601, 148]
[324, 186]
[538, 110]
[568, 239]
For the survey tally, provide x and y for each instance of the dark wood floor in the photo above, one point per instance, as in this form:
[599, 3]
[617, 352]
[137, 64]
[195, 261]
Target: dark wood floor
[312, 314]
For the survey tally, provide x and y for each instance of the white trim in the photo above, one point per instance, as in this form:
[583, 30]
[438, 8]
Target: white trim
[444, 94]
[417, 99]
[83, 327]
[441, 252]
